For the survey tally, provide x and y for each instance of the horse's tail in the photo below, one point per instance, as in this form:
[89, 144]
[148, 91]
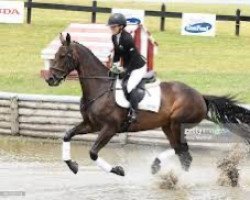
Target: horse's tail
[225, 111]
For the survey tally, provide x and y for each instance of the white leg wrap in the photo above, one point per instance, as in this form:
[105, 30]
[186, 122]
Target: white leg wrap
[165, 155]
[103, 165]
[135, 78]
[66, 151]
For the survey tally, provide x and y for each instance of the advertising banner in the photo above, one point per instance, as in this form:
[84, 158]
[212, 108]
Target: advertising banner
[11, 11]
[198, 24]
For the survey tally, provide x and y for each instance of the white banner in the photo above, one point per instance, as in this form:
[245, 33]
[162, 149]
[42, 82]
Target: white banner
[11, 11]
[132, 16]
[198, 24]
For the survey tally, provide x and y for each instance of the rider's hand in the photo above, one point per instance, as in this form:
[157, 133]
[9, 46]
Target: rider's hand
[115, 65]
[116, 68]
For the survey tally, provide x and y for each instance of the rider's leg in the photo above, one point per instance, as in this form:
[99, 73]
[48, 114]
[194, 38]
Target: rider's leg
[134, 101]
[134, 79]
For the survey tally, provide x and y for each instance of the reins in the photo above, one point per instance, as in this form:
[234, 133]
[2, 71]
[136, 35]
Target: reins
[89, 102]
[71, 65]
[98, 77]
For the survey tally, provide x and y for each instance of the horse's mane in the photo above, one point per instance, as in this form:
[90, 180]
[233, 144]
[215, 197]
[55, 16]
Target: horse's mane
[91, 53]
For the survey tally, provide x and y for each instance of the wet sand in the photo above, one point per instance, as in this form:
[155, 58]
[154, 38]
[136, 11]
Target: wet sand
[34, 166]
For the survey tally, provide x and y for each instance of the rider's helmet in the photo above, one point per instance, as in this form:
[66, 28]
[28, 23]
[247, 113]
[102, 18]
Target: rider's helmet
[117, 19]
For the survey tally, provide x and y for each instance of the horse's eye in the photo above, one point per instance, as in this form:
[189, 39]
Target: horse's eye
[62, 55]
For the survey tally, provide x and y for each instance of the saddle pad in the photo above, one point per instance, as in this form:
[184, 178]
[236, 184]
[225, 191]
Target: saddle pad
[150, 102]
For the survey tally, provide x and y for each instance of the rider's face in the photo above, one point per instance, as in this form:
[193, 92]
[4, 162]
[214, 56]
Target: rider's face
[115, 29]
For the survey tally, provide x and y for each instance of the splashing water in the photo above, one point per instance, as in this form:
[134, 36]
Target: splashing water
[173, 177]
[228, 166]
[169, 180]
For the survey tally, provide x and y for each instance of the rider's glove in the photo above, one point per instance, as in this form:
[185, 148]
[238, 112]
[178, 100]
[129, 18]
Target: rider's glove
[116, 68]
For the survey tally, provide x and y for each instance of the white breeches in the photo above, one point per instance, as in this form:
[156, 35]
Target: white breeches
[135, 78]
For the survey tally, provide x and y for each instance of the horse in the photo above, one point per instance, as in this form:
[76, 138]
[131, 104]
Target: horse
[181, 106]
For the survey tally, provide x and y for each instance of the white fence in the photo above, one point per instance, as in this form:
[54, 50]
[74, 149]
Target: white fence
[37, 115]
[46, 116]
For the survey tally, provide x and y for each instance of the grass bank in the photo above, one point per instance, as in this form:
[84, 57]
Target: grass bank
[219, 65]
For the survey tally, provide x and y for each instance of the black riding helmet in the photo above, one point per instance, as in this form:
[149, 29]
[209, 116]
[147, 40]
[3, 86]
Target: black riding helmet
[117, 19]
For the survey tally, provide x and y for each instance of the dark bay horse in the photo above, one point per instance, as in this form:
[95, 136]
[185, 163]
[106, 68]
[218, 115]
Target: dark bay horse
[180, 105]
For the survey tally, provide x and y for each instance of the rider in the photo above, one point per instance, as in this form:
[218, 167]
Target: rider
[125, 52]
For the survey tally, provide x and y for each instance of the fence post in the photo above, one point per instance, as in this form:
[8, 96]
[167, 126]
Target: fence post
[163, 10]
[94, 8]
[29, 10]
[14, 116]
[237, 24]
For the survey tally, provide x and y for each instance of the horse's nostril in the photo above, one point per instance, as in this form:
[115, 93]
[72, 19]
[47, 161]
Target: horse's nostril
[50, 81]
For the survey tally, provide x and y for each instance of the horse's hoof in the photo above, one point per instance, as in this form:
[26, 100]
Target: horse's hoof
[233, 175]
[118, 170]
[186, 160]
[156, 166]
[73, 166]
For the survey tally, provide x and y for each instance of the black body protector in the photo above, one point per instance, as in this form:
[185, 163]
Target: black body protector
[126, 52]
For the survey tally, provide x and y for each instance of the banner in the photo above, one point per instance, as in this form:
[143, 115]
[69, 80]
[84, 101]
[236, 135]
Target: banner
[198, 24]
[132, 16]
[11, 11]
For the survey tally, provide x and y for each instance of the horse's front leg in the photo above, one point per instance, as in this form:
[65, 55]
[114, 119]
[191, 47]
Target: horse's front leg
[81, 128]
[106, 133]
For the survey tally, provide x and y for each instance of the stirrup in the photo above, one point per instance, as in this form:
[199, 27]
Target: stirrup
[128, 121]
[132, 117]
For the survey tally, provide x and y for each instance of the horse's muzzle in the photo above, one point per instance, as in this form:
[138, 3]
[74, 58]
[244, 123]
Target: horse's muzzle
[53, 81]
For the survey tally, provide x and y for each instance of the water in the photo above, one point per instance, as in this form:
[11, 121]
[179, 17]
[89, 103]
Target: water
[34, 166]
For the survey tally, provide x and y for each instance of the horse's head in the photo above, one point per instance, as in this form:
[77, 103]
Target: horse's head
[64, 63]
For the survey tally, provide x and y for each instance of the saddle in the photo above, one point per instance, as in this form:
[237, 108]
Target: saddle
[139, 93]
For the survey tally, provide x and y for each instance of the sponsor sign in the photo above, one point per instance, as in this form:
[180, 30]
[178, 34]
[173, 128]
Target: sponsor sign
[132, 16]
[11, 11]
[198, 24]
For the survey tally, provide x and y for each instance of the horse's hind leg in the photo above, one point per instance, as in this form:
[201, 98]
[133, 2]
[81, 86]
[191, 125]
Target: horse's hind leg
[165, 155]
[81, 128]
[178, 142]
[179, 145]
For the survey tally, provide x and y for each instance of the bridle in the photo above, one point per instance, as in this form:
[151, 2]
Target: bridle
[71, 65]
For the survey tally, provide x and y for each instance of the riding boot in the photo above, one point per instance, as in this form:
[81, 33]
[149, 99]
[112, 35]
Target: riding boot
[132, 115]
[134, 105]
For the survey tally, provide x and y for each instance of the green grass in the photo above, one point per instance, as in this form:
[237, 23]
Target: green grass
[219, 65]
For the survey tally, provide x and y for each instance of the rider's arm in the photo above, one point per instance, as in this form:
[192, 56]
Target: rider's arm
[136, 61]
[129, 46]
[116, 57]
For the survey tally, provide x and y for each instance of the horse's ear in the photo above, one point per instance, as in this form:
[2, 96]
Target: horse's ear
[68, 39]
[62, 39]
